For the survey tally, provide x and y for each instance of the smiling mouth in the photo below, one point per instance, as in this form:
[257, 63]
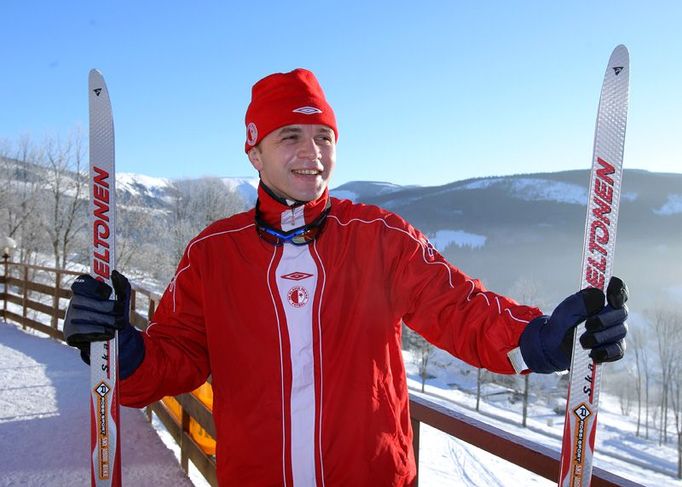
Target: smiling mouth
[307, 172]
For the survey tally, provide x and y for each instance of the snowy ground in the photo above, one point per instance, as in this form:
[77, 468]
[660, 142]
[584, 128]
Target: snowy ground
[618, 449]
[44, 422]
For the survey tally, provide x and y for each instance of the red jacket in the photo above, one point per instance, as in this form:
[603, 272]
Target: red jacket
[304, 342]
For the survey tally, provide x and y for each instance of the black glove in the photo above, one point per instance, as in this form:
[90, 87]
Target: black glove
[92, 317]
[547, 342]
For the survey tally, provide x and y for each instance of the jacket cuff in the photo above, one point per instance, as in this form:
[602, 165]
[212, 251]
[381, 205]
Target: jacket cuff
[532, 348]
[130, 351]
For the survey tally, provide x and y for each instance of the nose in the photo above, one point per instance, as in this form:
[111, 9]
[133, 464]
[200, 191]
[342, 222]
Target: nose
[309, 149]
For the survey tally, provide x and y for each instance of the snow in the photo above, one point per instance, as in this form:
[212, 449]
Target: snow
[672, 205]
[534, 189]
[481, 183]
[443, 238]
[247, 188]
[344, 194]
[445, 460]
[387, 188]
[44, 420]
[629, 196]
[139, 183]
[618, 449]
[537, 189]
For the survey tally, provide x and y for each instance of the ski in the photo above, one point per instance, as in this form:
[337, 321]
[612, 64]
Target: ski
[104, 403]
[597, 261]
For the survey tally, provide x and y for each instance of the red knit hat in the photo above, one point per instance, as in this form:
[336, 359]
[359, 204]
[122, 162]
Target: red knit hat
[286, 99]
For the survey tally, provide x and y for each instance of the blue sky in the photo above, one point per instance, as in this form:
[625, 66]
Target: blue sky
[424, 92]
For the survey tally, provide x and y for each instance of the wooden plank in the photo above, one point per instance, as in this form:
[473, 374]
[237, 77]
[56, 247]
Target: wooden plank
[25, 293]
[28, 322]
[138, 321]
[204, 463]
[167, 419]
[55, 300]
[415, 447]
[185, 441]
[34, 305]
[515, 449]
[41, 288]
[146, 292]
[198, 411]
[43, 268]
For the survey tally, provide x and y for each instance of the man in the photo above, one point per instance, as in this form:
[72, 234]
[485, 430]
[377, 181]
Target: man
[295, 309]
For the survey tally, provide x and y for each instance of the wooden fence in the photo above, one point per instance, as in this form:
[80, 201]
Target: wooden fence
[24, 285]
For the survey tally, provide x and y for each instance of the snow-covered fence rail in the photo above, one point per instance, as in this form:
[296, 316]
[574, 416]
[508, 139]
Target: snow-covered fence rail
[518, 450]
[36, 297]
[41, 294]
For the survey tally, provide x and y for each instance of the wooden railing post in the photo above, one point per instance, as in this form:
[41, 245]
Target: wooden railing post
[24, 301]
[5, 259]
[55, 299]
[415, 446]
[184, 439]
[133, 302]
[150, 311]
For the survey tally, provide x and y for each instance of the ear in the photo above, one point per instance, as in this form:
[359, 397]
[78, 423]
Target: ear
[255, 158]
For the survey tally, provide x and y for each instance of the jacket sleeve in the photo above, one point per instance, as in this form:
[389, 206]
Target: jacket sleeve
[176, 354]
[453, 311]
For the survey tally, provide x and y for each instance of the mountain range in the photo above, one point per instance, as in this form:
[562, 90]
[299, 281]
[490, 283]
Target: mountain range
[530, 226]
[503, 229]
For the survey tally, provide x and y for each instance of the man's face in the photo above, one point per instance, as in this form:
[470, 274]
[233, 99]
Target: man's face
[296, 161]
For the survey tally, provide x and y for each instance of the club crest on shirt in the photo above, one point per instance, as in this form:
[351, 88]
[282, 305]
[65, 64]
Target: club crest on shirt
[297, 296]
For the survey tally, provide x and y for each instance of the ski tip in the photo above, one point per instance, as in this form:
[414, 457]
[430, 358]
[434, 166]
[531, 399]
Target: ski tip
[95, 78]
[620, 52]
[619, 62]
[97, 85]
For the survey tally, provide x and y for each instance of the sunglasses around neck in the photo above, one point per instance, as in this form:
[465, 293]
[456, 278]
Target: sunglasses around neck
[298, 236]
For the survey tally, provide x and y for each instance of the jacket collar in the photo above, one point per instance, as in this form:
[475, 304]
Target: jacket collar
[284, 215]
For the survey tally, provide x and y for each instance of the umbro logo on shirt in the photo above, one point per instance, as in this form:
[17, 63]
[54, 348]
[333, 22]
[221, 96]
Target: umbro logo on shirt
[296, 276]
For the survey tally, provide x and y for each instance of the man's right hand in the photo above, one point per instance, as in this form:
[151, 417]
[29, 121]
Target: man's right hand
[93, 317]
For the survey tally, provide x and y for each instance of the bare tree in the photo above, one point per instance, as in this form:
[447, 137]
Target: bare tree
[20, 190]
[526, 290]
[666, 323]
[137, 227]
[482, 377]
[638, 345]
[64, 212]
[421, 352]
[196, 204]
[675, 391]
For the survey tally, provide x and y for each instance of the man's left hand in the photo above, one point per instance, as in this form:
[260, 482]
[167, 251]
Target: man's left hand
[546, 343]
